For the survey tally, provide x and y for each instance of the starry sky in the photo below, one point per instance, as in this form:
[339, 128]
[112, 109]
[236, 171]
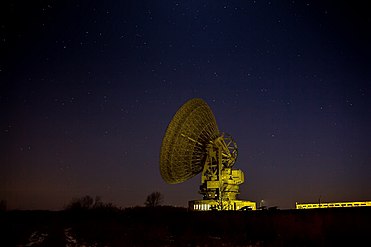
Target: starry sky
[87, 89]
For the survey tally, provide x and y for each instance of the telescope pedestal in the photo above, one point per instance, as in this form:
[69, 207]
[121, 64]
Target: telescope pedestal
[219, 182]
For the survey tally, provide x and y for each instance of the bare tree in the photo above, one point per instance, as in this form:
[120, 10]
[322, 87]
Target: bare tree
[154, 199]
[85, 202]
[98, 202]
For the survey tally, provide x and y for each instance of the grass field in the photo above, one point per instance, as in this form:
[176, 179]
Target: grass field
[169, 226]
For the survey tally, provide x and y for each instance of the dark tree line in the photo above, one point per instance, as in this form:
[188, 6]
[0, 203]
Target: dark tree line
[88, 202]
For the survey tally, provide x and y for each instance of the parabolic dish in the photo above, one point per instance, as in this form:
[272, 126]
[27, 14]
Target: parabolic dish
[183, 149]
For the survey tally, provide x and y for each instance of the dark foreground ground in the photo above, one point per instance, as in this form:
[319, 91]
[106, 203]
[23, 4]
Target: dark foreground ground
[167, 226]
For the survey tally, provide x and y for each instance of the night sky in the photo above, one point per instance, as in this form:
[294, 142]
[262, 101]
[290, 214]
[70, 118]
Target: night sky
[87, 89]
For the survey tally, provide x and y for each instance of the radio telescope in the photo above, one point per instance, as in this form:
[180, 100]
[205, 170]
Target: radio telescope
[193, 144]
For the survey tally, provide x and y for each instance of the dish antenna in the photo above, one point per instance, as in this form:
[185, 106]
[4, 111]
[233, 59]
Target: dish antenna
[193, 144]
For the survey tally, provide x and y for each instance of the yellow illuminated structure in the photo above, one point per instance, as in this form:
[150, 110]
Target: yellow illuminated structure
[206, 205]
[193, 144]
[332, 205]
